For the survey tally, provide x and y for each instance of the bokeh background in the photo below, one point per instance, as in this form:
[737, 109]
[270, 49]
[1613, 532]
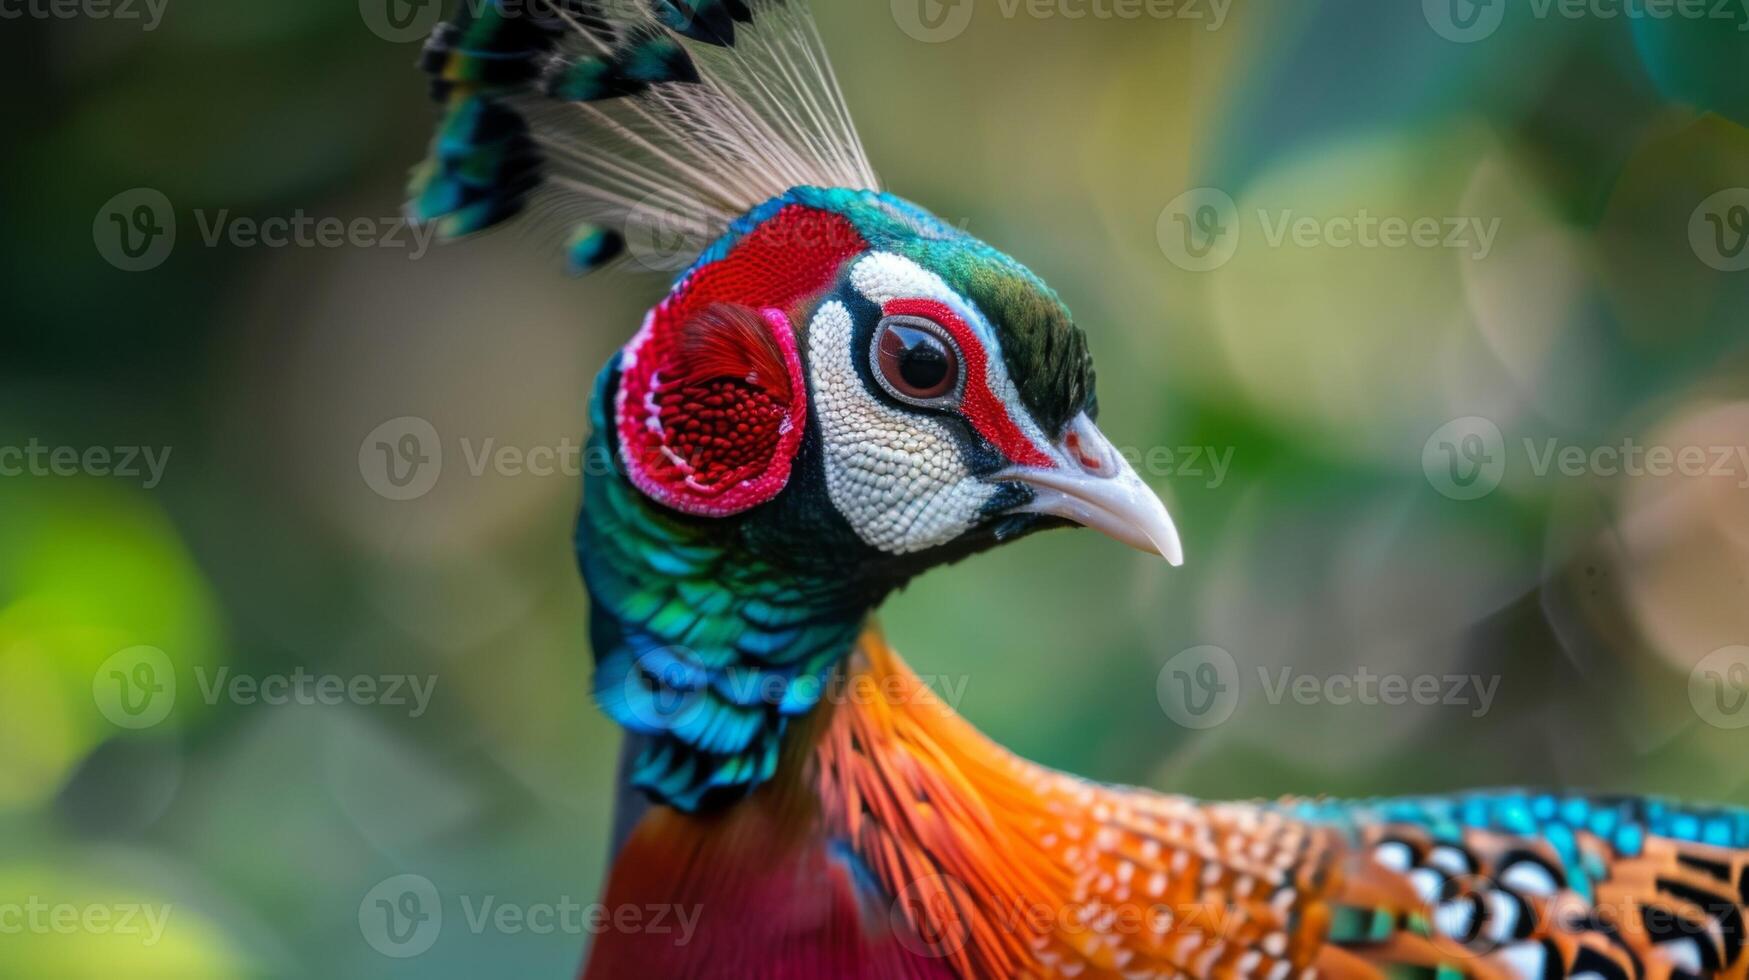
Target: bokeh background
[1608, 153]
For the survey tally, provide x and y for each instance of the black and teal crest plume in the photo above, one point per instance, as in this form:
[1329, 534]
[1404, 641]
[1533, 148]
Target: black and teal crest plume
[711, 21]
[603, 117]
[606, 119]
[645, 57]
[713, 636]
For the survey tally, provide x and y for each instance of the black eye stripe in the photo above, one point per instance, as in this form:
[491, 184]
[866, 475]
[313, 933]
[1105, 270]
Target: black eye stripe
[917, 362]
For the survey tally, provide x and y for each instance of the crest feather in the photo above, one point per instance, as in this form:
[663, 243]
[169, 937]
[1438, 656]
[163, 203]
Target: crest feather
[647, 118]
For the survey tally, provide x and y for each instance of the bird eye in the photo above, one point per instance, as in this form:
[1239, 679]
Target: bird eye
[916, 361]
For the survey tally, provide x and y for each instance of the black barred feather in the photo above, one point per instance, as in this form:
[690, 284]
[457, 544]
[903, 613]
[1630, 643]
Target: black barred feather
[650, 56]
[482, 166]
[646, 57]
[710, 21]
[494, 49]
[608, 115]
[590, 248]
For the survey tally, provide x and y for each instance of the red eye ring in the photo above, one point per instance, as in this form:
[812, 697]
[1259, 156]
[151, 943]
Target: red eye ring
[915, 360]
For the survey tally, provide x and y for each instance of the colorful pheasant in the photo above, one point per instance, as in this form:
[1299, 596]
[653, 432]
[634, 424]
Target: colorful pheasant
[840, 392]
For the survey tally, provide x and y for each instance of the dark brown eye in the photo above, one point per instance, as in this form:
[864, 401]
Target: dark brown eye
[916, 361]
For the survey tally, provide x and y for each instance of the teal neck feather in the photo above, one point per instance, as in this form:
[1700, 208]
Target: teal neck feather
[702, 643]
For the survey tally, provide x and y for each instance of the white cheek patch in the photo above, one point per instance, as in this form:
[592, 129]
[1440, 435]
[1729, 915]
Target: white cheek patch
[895, 476]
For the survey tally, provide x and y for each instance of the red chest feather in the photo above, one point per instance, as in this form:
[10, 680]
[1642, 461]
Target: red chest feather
[749, 899]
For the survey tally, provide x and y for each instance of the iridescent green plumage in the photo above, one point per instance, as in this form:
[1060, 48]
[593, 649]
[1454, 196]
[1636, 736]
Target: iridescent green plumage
[699, 643]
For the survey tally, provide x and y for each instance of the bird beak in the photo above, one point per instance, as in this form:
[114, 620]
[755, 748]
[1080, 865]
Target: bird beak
[1094, 486]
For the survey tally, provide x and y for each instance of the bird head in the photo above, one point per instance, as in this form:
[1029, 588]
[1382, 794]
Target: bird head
[847, 373]
[841, 392]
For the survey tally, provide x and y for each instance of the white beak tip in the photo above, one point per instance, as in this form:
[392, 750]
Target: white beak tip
[1096, 488]
[1174, 554]
[1154, 533]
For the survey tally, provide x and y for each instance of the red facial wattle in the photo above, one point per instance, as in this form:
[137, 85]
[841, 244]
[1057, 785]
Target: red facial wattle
[712, 402]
